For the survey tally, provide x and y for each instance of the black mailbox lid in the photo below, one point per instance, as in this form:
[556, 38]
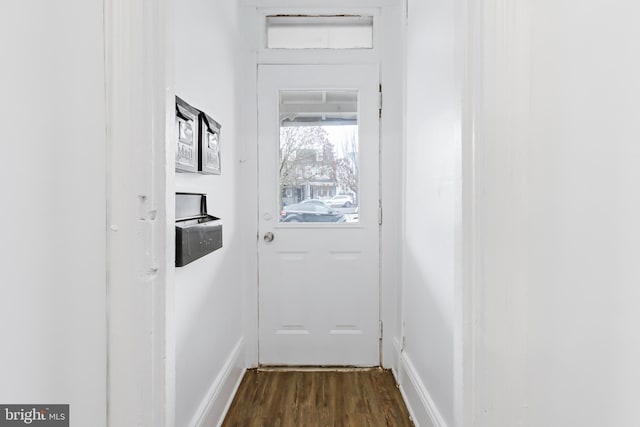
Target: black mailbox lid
[197, 232]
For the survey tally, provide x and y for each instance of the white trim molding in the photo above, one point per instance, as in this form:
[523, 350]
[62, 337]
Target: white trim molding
[139, 350]
[421, 406]
[496, 100]
[217, 401]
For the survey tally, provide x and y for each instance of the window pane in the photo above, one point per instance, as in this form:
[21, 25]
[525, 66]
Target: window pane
[319, 160]
[319, 32]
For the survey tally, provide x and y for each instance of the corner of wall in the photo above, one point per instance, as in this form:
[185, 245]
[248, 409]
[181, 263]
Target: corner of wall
[422, 409]
[217, 401]
[395, 361]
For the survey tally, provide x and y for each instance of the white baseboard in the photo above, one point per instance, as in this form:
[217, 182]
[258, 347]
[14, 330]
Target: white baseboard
[395, 368]
[421, 406]
[214, 406]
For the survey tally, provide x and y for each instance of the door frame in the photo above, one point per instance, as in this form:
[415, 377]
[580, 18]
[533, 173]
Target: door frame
[390, 60]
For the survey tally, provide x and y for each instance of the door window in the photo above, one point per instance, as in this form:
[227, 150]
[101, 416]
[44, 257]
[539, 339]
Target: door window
[319, 156]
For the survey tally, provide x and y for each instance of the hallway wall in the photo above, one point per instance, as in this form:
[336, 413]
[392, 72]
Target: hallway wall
[52, 182]
[557, 207]
[209, 292]
[432, 210]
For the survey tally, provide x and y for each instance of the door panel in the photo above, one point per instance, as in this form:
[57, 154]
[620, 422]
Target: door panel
[318, 275]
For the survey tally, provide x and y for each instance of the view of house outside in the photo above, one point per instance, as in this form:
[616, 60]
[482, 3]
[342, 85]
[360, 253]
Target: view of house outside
[318, 162]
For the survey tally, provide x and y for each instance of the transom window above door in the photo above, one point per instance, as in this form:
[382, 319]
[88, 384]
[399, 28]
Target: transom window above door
[319, 32]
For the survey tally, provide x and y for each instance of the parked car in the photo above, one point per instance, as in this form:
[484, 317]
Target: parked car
[315, 202]
[352, 215]
[310, 212]
[341, 200]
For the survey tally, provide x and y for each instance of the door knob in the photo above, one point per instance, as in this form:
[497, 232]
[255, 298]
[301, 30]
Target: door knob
[268, 237]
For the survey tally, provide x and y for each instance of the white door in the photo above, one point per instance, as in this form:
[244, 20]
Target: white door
[318, 215]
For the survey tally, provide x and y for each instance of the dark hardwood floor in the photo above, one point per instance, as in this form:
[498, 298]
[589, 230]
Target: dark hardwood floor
[327, 398]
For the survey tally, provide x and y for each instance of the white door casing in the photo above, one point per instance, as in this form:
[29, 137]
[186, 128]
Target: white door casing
[318, 282]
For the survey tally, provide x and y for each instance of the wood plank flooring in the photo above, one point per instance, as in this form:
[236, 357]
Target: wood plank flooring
[322, 398]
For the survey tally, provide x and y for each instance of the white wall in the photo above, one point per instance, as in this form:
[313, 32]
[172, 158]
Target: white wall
[432, 210]
[556, 212]
[209, 292]
[52, 181]
[391, 177]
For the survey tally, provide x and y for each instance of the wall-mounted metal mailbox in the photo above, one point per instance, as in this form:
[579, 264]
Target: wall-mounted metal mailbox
[187, 143]
[197, 232]
[209, 149]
